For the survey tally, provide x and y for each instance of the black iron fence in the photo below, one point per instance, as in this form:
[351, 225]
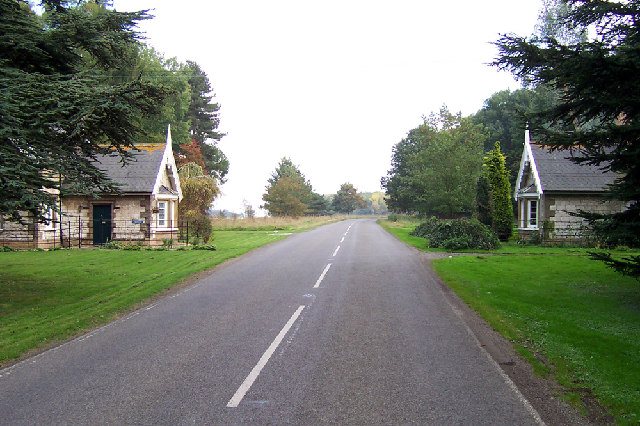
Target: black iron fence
[81, 232]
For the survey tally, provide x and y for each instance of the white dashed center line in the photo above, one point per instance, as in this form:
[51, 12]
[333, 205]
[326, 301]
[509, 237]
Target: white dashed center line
[253, 375]
[326, 269]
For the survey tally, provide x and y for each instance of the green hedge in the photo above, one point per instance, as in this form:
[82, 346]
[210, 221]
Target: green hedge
[457, 234]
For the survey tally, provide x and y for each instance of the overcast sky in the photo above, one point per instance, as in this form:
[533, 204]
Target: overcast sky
[332, 84]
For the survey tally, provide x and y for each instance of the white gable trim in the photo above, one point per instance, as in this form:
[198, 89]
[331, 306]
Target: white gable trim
[168, 163]
[527, 156]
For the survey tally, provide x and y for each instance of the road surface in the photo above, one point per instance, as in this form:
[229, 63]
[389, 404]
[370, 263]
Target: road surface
[341, 324]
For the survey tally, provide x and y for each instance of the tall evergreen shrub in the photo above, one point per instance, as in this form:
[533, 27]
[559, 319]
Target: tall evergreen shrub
[500, 193]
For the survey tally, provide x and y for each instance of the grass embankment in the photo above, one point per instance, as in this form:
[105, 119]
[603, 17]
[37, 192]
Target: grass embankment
[47, 297]
[571, 317]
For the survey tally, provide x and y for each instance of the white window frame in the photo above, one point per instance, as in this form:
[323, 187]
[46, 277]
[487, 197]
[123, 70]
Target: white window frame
[533, 220]
[163, 216]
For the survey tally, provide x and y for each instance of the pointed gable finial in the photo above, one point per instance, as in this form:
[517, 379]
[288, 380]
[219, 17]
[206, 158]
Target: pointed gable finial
[169, 146]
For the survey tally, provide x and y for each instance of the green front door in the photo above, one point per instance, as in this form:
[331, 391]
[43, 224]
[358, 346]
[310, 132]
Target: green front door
[101, 223]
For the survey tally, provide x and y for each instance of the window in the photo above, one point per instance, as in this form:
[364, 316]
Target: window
[532, 221]
[162, 213]
[50, 217]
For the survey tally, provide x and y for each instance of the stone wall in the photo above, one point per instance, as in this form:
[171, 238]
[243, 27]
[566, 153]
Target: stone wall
[558, 222]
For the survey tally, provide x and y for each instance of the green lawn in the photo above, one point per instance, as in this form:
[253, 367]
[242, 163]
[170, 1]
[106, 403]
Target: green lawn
[47, 297]
[572, 317]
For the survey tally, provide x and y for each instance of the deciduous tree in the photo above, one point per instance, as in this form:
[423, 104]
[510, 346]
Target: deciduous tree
[198, 191]
[285, 198]
[347, 199]
[288, 192]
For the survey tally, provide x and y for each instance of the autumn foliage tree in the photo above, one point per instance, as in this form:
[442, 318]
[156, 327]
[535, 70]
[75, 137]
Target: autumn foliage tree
[198, 191]
[288, 192]
[286, 198]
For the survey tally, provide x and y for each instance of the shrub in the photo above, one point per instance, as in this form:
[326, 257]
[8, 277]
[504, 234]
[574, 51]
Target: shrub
[6, 248]
[112, 245]
[425, 228]
[393, 217]
[500, 193]
[457, 234]
[211, 247]
[199, 226]
[132, 247]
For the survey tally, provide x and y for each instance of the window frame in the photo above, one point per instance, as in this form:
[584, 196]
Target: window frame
[532, 219]
[162, 218]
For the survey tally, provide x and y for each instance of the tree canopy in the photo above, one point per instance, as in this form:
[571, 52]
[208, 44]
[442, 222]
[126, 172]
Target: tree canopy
[288, 191]
[504, 117]
[347, 199]
[596, 78]
[435, 170]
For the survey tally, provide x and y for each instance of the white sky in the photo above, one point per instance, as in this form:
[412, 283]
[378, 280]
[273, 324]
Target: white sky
[332, 84]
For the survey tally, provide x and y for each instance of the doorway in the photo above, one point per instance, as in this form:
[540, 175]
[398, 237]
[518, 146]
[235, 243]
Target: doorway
[101, 223]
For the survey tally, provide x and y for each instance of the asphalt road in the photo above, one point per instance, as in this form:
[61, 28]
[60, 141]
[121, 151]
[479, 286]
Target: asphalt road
[279, 337]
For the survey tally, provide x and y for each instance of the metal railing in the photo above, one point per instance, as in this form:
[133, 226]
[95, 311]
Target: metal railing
[80, 232]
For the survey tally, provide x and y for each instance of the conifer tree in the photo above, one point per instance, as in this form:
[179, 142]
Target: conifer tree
[499, 193]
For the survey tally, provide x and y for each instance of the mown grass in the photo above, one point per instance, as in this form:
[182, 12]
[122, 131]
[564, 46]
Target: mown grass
[570, 316]
[47, 297]
[579, 319]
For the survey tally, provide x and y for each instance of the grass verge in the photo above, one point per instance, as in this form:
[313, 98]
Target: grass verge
[48, 297]
[570, 316]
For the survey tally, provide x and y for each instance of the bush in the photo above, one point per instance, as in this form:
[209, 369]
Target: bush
[132, 247]
[211, 247]
[199, 226]
[425, 228]
[393, 217]
[457, 234]
[6, 248]
[112, 245]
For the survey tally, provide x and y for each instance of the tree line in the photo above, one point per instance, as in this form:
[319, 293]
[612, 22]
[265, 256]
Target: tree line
[289, 193]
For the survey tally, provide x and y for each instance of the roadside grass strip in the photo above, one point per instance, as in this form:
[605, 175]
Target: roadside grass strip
[571, 317]
[49, 297]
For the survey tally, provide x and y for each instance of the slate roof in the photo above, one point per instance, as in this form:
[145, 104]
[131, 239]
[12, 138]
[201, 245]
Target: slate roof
[139, 175]
[558, 173]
